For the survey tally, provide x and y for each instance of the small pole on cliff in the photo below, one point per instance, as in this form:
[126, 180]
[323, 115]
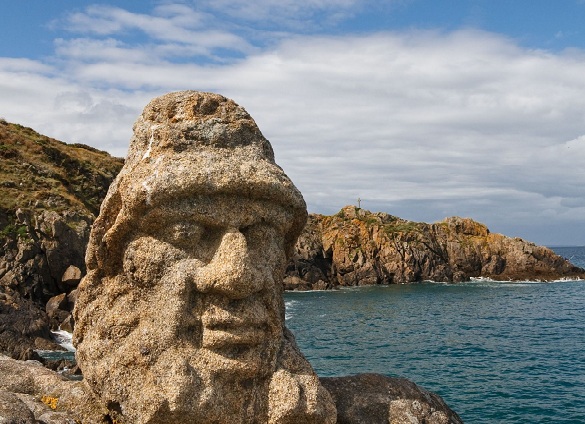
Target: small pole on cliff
[359, 203]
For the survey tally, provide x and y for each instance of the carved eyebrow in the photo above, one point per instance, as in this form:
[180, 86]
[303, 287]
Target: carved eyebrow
[167, 216]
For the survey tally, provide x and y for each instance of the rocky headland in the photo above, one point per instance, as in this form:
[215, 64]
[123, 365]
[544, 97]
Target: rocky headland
[356, 247]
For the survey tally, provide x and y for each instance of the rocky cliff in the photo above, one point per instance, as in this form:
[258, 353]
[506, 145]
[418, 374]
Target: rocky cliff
[358, 247]
[50, 193]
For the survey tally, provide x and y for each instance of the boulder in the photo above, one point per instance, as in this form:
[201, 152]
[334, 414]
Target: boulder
[378, 399]
[56, 303]
[72, 299]
[13, 410]
[71, 278]
[67, 324]
[23, 326]
[58, 310]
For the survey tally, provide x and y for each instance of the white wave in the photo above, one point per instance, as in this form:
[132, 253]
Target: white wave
[512, 282]
[567, 279]
[64, 338]
[480, 279]
[289, 307]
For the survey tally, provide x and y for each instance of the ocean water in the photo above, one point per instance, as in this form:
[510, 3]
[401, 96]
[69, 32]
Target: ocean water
[64, 339]
[497, 352]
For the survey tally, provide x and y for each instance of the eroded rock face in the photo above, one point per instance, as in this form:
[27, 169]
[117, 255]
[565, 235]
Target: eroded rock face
[181, 316]
[378, 399]
[358, 247]
[31, 269]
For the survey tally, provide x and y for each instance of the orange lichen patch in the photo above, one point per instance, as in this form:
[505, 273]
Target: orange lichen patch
[50, 401]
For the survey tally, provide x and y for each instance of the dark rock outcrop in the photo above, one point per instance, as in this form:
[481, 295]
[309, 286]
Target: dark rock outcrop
[378, 399]
[24, 326]
[50, 193]
[357, 247]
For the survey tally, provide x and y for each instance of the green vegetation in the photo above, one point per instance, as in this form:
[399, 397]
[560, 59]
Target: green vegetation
[391, 225]
[369, 220]
[41, 173]
[401, 226]
[12, 230]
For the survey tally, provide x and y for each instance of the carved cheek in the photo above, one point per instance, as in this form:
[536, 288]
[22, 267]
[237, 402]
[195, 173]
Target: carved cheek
[146, 259]
[267, 250]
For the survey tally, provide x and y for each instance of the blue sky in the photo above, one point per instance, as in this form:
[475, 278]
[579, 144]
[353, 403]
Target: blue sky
[423, 109]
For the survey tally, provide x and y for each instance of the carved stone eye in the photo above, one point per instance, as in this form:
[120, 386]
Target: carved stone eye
[197, 240]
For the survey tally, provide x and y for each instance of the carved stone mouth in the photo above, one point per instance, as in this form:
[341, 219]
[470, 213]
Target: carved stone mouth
[243, 323]
[221, 335]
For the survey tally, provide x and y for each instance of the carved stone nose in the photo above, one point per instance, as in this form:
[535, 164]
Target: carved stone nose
[230, 272]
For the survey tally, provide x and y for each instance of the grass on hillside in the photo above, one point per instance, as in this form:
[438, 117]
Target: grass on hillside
[38, 172]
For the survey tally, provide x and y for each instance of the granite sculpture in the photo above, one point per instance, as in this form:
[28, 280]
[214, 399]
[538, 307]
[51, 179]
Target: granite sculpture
[180, 318]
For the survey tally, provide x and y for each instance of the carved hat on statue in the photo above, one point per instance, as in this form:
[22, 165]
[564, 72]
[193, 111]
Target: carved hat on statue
[185, 144]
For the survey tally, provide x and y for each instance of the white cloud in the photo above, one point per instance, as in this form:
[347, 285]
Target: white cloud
[171, 24]
[107, 50]
[176, 22]
[420, 124]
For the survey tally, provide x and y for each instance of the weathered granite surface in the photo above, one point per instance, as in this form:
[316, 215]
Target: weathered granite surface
[377, 399]
[180, 317]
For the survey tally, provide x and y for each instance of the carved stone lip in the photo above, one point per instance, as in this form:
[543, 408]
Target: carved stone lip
[223, 318]
[245, 323]
[221, 335]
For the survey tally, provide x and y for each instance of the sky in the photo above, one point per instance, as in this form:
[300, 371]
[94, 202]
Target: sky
[423, 109]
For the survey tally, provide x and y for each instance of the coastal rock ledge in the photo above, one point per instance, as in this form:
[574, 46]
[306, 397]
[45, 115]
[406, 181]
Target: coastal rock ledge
[32, 394]
[356, 247]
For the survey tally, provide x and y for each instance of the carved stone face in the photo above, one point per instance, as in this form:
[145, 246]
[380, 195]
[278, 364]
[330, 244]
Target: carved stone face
[219, 263]
[180, 317]
[197, 305]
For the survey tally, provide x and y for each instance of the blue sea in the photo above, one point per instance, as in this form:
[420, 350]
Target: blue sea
[497, 352]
